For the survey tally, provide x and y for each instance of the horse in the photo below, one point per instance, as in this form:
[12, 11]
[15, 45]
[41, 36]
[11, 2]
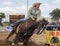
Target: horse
[26, 30]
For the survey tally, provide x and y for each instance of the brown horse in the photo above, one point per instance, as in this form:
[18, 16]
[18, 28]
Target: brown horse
[26, 30]
[20, 26]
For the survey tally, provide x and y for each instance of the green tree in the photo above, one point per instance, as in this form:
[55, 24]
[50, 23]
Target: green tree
[55, 14]
[2, 15]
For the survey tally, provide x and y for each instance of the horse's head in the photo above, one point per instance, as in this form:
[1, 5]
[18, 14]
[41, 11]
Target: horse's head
[42, 23]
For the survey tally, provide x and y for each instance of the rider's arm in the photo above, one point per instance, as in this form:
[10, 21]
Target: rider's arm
[30, 15]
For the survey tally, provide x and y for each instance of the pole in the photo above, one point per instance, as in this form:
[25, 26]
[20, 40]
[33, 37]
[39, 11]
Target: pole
[27, 12]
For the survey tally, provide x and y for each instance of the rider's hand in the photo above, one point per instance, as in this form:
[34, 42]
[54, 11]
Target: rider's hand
[33, 19]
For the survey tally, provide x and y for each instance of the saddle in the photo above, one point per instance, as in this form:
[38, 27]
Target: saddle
[27, 24]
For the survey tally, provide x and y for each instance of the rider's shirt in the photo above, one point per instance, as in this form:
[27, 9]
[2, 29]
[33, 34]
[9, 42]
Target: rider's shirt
[35, 13]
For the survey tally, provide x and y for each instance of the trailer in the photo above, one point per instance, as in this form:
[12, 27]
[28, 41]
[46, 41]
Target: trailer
[53, 35]
[14, 18]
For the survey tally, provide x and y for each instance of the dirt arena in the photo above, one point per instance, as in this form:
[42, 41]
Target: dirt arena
[36, 40]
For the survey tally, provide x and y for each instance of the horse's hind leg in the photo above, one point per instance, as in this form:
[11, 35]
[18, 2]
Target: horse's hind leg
[11, 33]
[15, 41]
[25, 41]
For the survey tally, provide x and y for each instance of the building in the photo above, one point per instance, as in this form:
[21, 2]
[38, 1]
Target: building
[14, 18]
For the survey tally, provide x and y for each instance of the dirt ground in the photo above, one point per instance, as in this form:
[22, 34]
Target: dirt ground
[36, 40]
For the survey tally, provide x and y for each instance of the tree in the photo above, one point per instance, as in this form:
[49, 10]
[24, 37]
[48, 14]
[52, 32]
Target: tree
[55, 14]
[2, 15]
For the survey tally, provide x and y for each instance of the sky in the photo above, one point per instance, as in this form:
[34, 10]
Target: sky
[10, 7]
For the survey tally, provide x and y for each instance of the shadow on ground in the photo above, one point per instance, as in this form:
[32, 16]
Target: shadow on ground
[31, 43]
[36, 44]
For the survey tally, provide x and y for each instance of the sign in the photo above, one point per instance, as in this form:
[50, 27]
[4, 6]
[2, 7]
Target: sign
[57, 33]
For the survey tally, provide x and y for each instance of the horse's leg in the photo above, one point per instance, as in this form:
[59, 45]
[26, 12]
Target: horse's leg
[18, 36]
[11, 33]
[25, 41]
[15, 41]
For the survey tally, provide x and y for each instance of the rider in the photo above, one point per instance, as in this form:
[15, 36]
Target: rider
[33, 13]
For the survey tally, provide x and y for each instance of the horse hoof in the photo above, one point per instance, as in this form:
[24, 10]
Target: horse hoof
[12, 44]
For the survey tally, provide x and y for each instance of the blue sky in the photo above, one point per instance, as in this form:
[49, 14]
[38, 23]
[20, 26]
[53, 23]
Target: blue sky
[20, 6]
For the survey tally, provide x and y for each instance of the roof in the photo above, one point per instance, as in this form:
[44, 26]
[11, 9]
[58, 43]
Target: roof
[53, 25]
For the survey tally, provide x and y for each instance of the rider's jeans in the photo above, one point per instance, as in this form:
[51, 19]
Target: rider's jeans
[22, 20]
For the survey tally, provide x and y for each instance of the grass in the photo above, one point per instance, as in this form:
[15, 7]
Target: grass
[5, 23]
